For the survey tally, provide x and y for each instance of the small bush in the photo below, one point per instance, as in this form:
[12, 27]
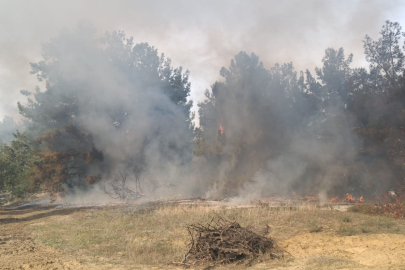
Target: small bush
[346, 230]
[314, 226]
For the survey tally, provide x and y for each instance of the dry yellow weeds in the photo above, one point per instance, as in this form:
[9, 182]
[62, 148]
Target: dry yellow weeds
[376, 250]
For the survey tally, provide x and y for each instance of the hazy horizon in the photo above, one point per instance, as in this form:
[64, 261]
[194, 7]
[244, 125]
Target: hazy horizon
[202, 37]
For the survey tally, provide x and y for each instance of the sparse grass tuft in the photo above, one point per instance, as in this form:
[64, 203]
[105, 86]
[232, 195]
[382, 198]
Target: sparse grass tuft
[346, 219]
[385, 223]
[314, 226]
[320, 262]
[365, 229]
[347, 230]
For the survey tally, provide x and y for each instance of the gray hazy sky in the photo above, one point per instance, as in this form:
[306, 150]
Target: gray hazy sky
[201, 36]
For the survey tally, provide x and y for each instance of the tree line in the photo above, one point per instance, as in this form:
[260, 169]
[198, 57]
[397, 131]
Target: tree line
[110, 104]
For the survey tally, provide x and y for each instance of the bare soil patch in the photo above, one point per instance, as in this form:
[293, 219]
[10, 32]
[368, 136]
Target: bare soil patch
[373, 250]
[18, 250]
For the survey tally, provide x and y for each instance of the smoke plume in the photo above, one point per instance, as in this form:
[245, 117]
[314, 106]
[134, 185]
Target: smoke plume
[107, 102]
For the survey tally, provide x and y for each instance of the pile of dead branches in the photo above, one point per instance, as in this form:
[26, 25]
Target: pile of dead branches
[222, 241]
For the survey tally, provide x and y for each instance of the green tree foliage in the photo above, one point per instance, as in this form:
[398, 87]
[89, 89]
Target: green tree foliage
[109, 99]
[385, 55]
[334, 76]
[246, 119]
[16, 162]
[353, 118]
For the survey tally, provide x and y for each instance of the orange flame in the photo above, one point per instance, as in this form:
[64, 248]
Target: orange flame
[221, 129]
[349, 198]
[58, 197]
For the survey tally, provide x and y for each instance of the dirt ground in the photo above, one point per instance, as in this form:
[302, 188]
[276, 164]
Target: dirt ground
[19, 249]
[374, 251]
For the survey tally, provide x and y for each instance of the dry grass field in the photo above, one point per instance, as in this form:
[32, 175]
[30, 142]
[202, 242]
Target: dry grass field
[125, 237]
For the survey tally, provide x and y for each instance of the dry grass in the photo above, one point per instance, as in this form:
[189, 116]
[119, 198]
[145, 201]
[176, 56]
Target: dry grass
[160, 237]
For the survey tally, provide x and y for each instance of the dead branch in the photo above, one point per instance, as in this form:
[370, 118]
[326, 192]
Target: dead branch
[118, 188]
